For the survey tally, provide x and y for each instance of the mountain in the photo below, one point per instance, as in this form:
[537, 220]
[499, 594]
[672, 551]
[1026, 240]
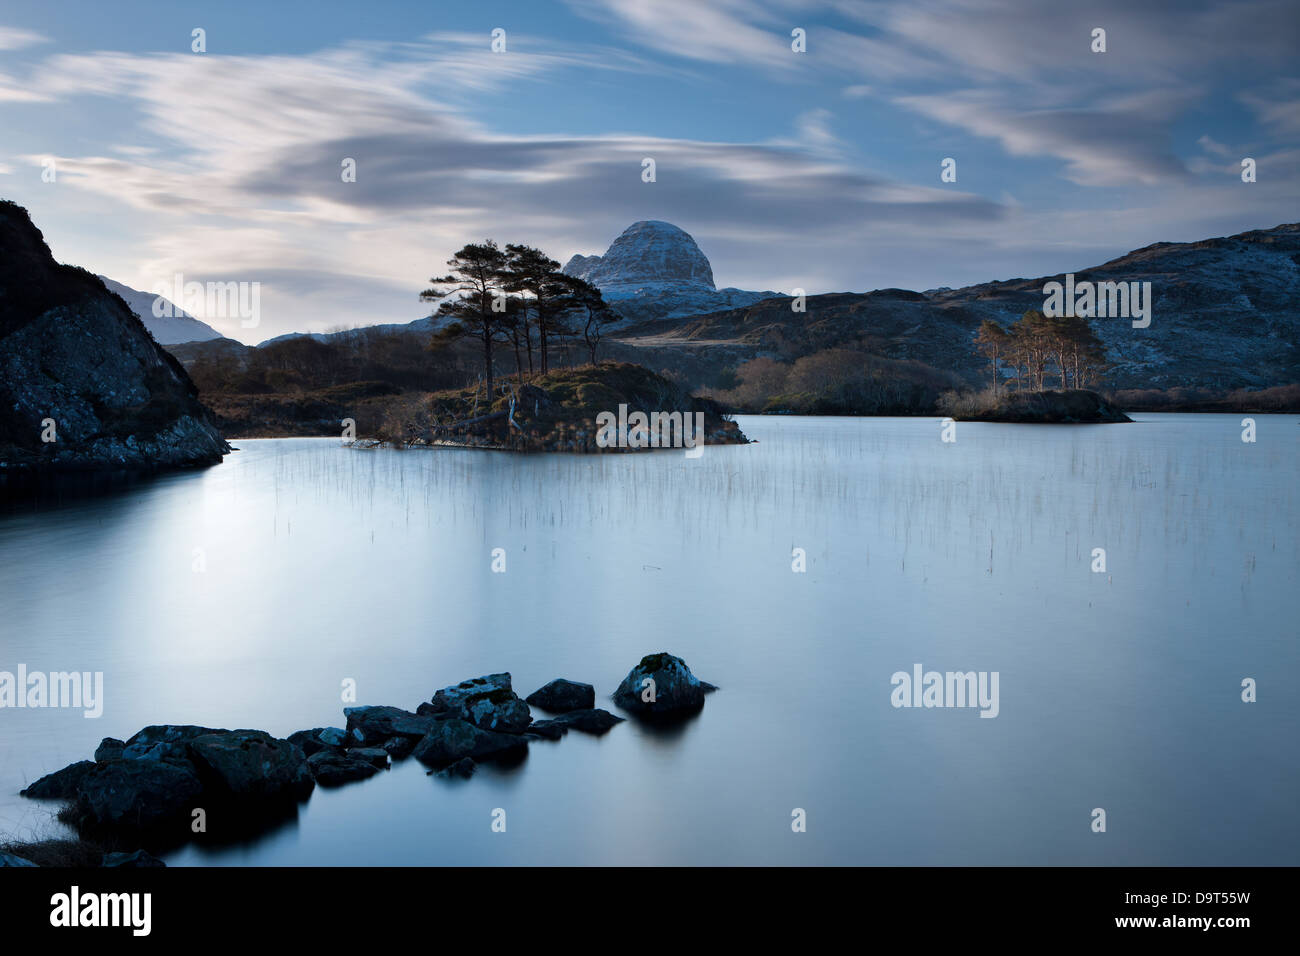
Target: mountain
[654, 270]
[83, 385]
[1225, 315]
[175, 329]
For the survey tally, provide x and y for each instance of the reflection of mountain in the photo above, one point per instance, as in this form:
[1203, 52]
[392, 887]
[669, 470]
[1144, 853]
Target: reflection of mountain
[82, 384]
[172, 329]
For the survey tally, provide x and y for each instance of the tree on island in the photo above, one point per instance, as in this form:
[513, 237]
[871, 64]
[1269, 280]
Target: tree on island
[500, 295]
[478, 309]
[1036, 346]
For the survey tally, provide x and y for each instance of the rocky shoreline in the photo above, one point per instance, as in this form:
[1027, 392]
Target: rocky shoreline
[168, 783]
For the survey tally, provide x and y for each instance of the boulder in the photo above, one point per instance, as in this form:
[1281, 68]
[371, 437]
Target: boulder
[590, 721]
[332, 768]
[311, 741]
[164, 742]
[251, 765]
[450, 740]
[110, 748]
[399, 748]
[374, 725]
[375, 756]
[136, 860]
[9, 859]
[487, 702]
[463, 769]
[561, 696]
[60, 785]
[137, 793]
[676, 691]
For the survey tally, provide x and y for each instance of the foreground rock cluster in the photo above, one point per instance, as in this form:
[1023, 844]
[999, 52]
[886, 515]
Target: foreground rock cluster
[150, 789]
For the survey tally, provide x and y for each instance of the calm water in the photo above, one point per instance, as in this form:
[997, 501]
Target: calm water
[1118, 690]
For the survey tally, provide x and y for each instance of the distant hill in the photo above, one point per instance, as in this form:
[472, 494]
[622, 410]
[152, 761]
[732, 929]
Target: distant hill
[177, 328]
[1226, 315]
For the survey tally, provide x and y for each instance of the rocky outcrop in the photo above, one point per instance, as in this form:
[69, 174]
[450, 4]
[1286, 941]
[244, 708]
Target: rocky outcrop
[152, 782]
[486, 702]
[561, 696]
[83, 385]
[655, 270]
[661, 685]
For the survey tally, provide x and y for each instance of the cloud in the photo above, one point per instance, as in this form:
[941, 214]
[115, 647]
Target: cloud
[13, 38]
[1118, 143]
[249, 183]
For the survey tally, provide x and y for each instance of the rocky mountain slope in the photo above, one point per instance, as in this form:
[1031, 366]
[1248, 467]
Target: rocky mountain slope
[1226, 314]
[174, 329]
[82, 383]
[654, 270]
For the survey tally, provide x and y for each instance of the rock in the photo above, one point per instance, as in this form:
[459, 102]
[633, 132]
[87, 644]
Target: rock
[164, 742]
[487, 702]
[251, 765]
[676, 690]
[589, 721]
[546, 730]
[450, 740]
[110, 748]
[136, 860]
[334, 768]
[463, 768]
[60, 785]
[311, 741]
[377, 724]
[561, 696]
[377, 757]
[8, 859]
[138, 794]
[399, 748]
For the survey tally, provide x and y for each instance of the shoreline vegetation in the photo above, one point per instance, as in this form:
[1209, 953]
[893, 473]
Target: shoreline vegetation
[153, 792]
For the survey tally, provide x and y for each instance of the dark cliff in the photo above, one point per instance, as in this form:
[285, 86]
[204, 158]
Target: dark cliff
[78, 367]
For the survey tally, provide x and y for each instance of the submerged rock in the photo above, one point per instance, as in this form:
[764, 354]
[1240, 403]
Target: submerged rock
[138, 859]
[60, 785]
[333, 768]
[561, 696]
[463, 769]
[589, 721]
[661, 685]
[487, 702]
[137, 794]
[252, 765]
[450, 740]
[374, 725]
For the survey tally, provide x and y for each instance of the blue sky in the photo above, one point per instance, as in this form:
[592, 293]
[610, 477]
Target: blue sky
[818, 170]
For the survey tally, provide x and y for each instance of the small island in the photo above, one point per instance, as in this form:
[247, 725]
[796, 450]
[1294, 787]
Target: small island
[598, 408]
[1072, 406]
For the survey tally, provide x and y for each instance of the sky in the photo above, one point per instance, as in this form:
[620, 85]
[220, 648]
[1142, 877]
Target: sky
[817, 170]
